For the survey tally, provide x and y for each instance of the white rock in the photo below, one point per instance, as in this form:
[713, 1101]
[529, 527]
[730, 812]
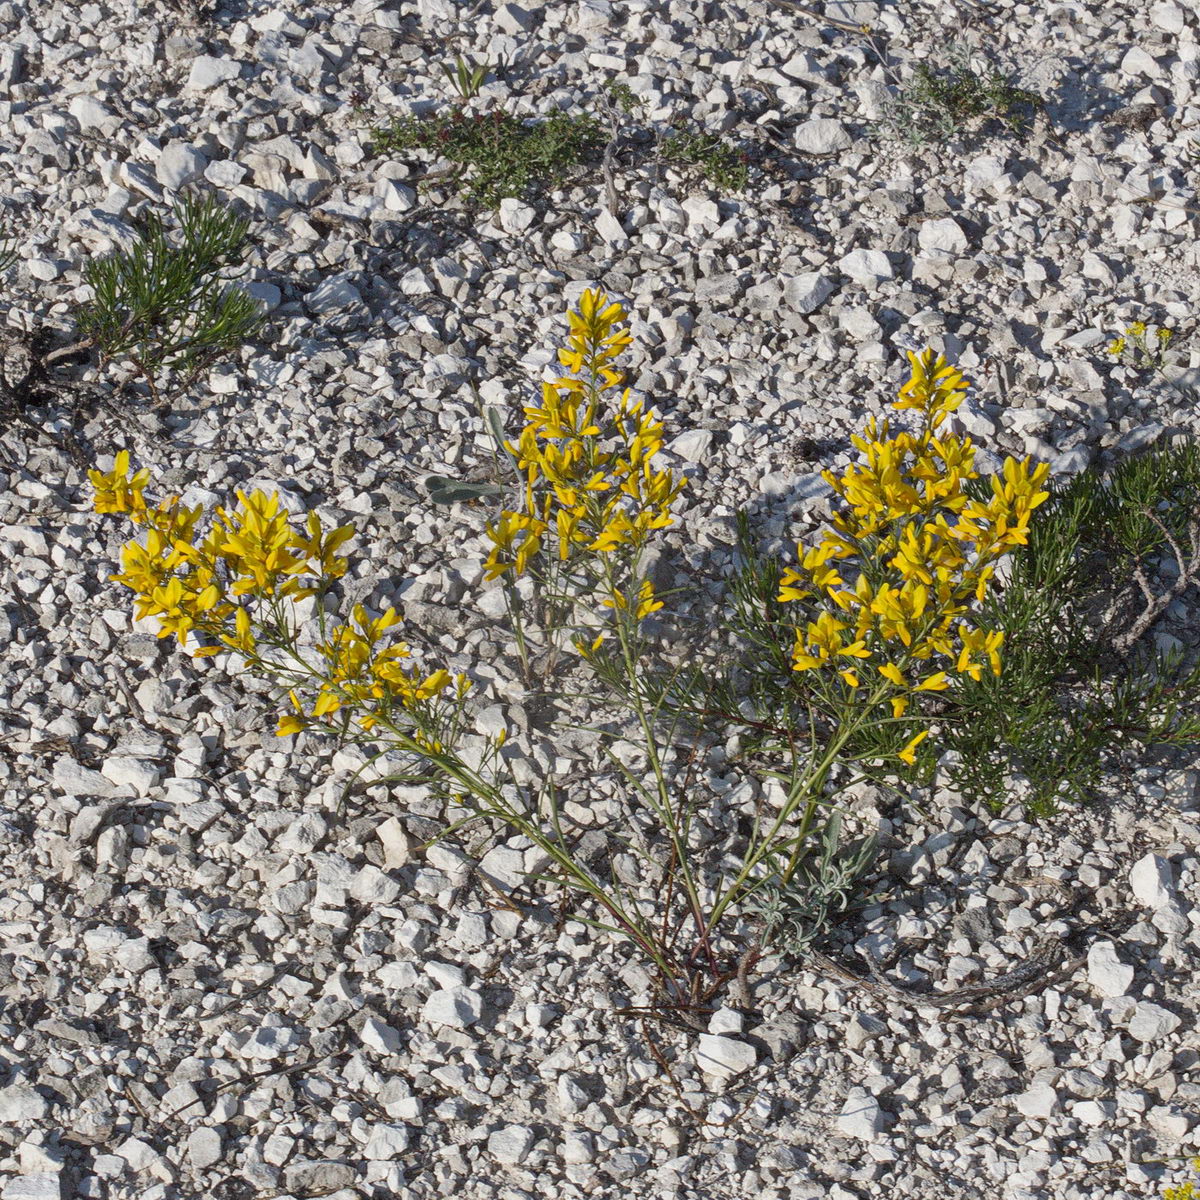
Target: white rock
[867, 267]
[726, 1020]
[44, 1185]
[578, 1147]
[609, 228]
[1152, 1022]
[137, 773]
[208, 72]
[373, 886]
[204, 1147]
[20, 1102]
[92, 114]
[1093, 1112]
[457, 1007]
[179, 164]
[1168, 16]
[724, 1056]
[516, 217]
[1039, 1101]
[863, 1028]
[334, 294]
[1150, 880]
[701, 211]
[396, 846]
[807, 292]
[692, 445]
[1106, 972]
[510, 1144]
[823, 135]
[270, 1041]
[381, 1038]
[513, 19]
[861, 1117]
[943, 234]
[224, 173]
[387, 1141]
[396, 196]
[1139, 62]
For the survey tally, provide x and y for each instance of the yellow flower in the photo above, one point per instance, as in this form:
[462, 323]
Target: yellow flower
[909, 753]
[1116, 347]
[116, 491]
[647, 603]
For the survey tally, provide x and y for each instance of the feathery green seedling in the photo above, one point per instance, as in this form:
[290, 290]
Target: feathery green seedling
[939, 103]
[1082, 680]
[167, 305]
[497, 154]
[721, 164]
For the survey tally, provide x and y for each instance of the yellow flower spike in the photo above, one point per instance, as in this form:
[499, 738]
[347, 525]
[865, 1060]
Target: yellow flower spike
[647, 603]
[1117, 346]
[909, 753]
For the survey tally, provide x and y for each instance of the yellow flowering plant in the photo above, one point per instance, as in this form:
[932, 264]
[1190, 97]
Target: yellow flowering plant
[879, 615]
[241, 581]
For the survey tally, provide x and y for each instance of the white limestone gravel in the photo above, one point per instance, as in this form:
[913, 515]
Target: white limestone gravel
[216, 979]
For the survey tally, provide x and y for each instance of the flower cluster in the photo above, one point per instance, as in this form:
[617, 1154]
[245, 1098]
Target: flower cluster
[1135, 337]
[910, 551]
[1187, 1190]
[236, 588]
[591, 485]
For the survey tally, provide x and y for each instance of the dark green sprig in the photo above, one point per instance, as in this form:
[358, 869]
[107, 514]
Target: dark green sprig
[166, 305]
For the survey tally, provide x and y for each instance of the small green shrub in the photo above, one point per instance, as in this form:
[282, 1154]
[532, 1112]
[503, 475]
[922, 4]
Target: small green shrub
[720, 163]
[497, 154]
[1082, 678]
[939, 103]
[167, 306]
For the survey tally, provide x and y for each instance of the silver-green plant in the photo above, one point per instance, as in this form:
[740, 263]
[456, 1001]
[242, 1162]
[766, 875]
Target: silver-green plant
[168, 306]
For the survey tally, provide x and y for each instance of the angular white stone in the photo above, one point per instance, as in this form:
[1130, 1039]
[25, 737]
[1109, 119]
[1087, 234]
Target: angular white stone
[381, 1038]
[942, 234]
[724, 1056]
[823, 135]
[1152, 1022]
[1106, 972]
[1039, 1101]
[208, 72]
[20, 1102]
[861, 1117]
[456, 1007]
[866, 266]
[516, 217]
[204, 1147]
[808, 291]
[179, 164]
[386, 1142]
[45, 1185]
[1150, 880]
[510, 1144]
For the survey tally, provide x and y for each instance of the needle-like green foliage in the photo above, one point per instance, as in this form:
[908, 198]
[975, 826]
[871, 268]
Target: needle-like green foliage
[166, 304]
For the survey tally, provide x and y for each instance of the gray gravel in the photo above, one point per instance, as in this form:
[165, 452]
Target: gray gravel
[215, 979]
